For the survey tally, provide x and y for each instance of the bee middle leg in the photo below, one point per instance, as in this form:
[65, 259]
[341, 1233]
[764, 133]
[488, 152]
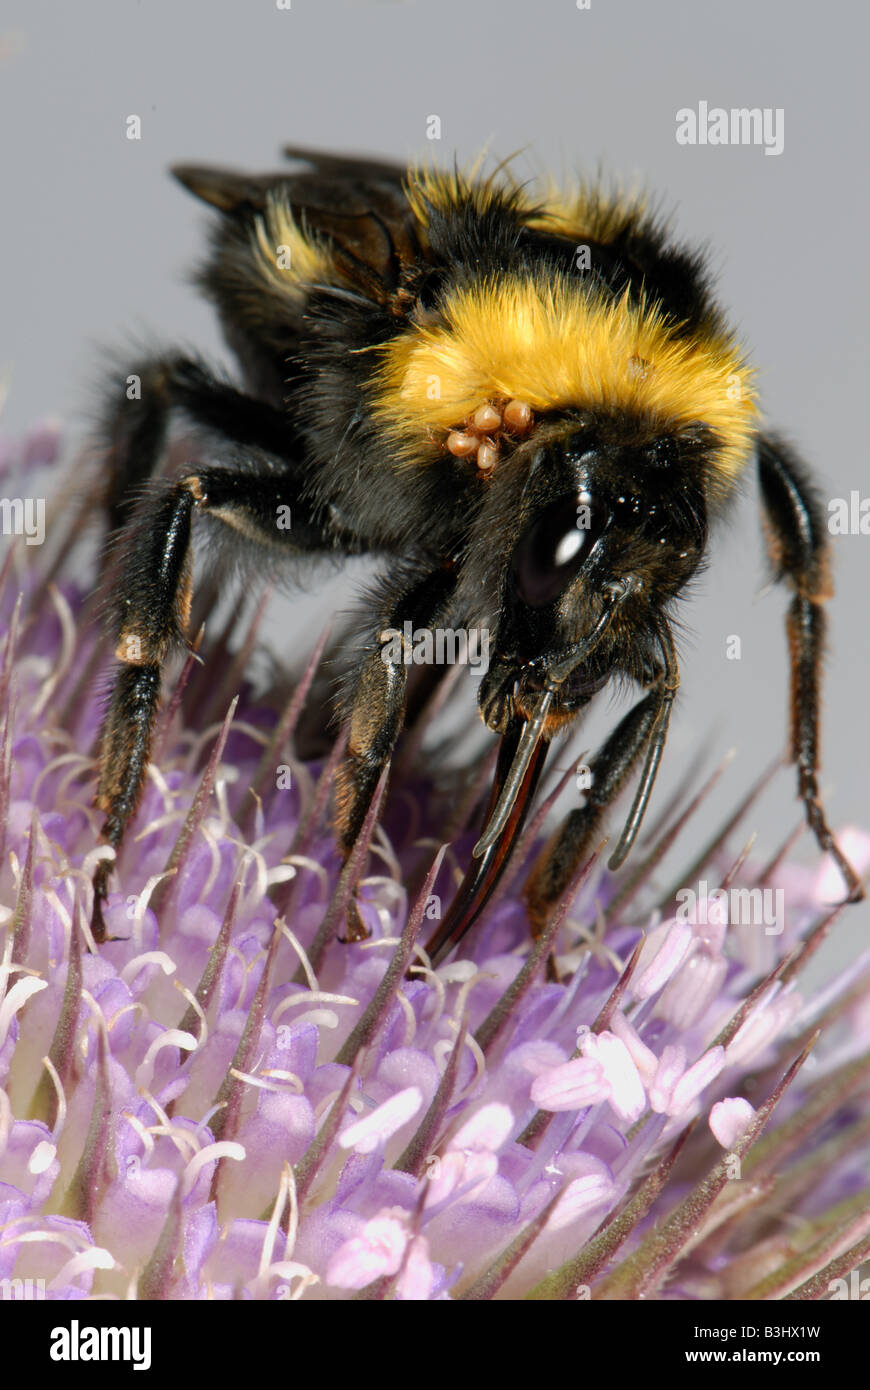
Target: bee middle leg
[377, 707]
[643, 728]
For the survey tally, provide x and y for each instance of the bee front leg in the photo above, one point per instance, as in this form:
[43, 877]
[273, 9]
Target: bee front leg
[642, 728]
[376, 710]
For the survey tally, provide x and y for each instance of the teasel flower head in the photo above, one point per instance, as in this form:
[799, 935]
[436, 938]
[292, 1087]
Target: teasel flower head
[227, 1101]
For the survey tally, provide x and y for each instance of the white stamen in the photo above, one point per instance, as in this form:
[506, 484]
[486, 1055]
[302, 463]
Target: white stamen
[300, 951]
[94, 1258]
[223, 1149]
[308, 997]
[323, 1018]
[15, 1000]
[197, 1009]
[133, 967]
[173, 1037]
[61, 1100]
[266, 1081]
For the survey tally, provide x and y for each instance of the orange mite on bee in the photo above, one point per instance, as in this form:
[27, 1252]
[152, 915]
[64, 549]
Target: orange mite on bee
[479, 436]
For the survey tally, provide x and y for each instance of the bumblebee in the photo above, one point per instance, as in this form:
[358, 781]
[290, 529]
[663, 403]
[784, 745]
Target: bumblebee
[533, 409]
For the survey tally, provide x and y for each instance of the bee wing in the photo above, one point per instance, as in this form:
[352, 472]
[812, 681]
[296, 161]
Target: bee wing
[346, 166]
[226, 189]
[358, 206]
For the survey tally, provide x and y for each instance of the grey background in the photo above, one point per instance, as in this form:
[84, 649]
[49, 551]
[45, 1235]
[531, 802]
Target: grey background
[96, 240]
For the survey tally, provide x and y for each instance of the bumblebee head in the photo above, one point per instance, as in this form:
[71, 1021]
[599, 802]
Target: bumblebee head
[611, 525]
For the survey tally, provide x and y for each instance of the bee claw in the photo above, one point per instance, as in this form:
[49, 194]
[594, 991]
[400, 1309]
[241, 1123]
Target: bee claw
[355, 928]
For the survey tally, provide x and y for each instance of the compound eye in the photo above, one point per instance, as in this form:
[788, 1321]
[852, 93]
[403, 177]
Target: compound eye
[554, 548]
